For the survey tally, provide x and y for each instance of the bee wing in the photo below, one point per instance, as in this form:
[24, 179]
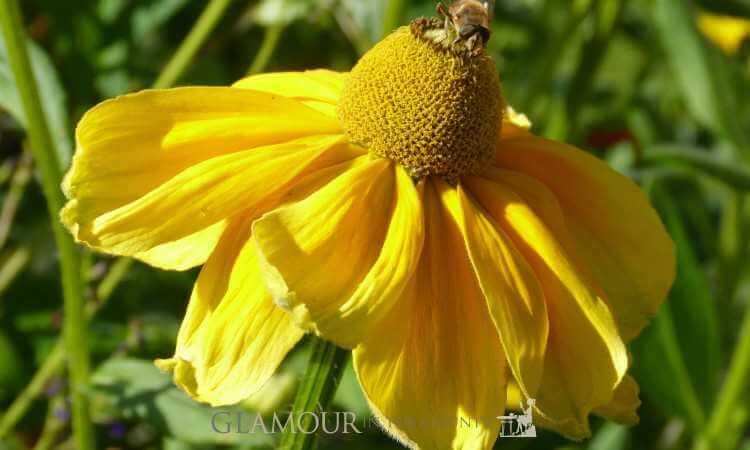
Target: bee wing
[490, 6]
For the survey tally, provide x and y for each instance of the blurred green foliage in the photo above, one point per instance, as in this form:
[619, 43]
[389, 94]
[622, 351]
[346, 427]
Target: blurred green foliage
[631, 81]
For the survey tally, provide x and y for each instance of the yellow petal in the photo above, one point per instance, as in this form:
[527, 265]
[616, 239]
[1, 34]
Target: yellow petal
[514, 124]
[233, 337]
[514, 296]
[623, 408]
[341, 257]
[624, 405]
[129, 146]
[434, 369]
[204, 194]
[617, 235]
[184, 253]
[318, 89]
[586, 358]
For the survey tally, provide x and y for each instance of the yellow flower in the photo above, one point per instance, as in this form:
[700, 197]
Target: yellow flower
[727, 32]
[402, 211]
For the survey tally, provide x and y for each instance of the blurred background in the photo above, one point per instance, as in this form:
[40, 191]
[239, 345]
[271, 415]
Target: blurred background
[658, 88]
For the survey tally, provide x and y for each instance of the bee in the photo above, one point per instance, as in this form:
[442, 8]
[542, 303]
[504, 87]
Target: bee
[470, 20]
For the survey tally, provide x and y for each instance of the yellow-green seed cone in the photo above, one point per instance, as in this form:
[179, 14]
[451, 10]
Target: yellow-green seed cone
[434, 110]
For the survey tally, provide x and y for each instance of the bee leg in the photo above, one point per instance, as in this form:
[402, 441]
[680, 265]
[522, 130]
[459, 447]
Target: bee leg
[471, 43]
[443, 11]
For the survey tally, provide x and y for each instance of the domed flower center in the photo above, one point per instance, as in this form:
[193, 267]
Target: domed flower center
[433, 107]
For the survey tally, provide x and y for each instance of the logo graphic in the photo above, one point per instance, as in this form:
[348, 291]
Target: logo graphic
[519, 425]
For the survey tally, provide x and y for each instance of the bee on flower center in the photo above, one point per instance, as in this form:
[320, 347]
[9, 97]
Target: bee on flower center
[470, 20]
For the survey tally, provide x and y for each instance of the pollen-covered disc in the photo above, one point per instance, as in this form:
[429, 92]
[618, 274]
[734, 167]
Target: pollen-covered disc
[432, 109]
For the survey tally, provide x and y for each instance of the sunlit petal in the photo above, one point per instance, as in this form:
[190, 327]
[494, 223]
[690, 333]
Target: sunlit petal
[233, 337]
[616, 233]
[318, 89]
[335, 258]
[434, 369]
[585, 358]
[130, 146]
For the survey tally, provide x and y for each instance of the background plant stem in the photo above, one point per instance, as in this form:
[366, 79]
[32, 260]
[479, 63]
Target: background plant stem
[116, 274]
[394, 16]
[720, 424]
[12, 200]
[56, 357]
[607, 14]
[192, 43]
[327, 363]
[75, 328]
[271, 38]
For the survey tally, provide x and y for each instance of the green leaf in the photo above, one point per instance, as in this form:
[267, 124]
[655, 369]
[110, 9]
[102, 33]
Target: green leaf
[610, 436]
[152, 16]
[11, 368]
[349, 395]
[677, 359]
[281, 12]
[134, 389]
[730, 173]
[52, 94]
[697, 69]
[728, 7]
[367, 18]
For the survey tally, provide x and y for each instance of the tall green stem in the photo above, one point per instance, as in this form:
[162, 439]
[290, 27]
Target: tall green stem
[721, 424]
[267, 47]
[731, 248]
[12, 199]
[75, 327]
[56, 358]
[315, 393]
[192, 43]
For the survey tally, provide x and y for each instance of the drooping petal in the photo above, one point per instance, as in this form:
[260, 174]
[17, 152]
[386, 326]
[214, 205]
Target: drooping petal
[318, 89]
[514, 296]
[340, 258]
[130, 146]
[585, 358]
[184, 253]
[434, 370]
[616, 232]
[624, 405]
[623, 408]
[202, 195]
[233, 337]
[513, 124]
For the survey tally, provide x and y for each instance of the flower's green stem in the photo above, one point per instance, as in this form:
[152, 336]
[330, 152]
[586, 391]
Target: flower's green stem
[267, 47]
[75, 327]
[192, 43]
[315, 393]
